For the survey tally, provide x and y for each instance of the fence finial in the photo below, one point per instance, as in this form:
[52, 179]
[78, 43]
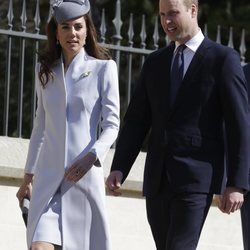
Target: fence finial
[10, 15]
[230, 40]
[243, 47]
[156, 33]
[131, 31]
[205, 30]
[24, 16]
[218, 37]
[118, 22]
[103, 28]
[143, 33]
[37, 18]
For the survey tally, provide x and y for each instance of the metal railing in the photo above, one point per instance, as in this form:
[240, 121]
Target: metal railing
[19, 42]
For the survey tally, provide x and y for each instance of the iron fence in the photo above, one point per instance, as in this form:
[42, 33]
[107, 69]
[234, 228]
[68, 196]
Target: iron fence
[19, 42]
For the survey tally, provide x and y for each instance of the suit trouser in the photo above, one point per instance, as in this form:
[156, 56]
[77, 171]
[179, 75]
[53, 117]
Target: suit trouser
[176, 219]
[245, 221]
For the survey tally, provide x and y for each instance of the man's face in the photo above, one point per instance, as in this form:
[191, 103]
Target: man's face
[178, 21]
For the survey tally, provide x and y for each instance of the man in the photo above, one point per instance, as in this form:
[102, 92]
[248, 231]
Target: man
[185, 158]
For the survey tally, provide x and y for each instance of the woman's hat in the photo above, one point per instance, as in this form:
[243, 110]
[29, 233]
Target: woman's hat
[64, 10]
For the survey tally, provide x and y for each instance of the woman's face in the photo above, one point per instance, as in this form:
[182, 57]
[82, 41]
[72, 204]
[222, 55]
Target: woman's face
[72, 36]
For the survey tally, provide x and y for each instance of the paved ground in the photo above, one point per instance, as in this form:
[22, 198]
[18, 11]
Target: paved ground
[129, 228]
[127, 216]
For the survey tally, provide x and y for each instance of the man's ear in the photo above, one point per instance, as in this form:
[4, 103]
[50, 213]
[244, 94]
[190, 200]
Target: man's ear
[194, 10]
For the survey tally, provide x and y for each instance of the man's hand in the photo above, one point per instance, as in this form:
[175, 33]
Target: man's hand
[113, 182]
[231, 200]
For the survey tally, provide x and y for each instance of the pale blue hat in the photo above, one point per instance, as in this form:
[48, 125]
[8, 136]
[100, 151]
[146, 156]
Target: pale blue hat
[64, 10]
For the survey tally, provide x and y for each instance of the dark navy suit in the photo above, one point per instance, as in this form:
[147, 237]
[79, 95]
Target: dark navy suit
[186, 152]
[245, 210]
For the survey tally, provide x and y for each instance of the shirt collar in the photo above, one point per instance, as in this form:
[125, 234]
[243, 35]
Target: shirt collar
[194, 42]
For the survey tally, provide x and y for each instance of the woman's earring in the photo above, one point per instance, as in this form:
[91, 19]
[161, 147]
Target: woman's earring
[57, 42]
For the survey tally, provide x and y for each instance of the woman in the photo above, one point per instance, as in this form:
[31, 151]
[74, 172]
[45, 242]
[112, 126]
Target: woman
[77, 89]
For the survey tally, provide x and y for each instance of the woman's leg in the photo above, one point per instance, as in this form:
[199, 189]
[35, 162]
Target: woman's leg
[40, 245]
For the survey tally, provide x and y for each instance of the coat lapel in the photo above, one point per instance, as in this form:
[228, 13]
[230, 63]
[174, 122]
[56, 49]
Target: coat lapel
[77, 69]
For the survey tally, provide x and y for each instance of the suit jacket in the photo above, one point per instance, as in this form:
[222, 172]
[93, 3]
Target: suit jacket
[69, 111]
[186, 141]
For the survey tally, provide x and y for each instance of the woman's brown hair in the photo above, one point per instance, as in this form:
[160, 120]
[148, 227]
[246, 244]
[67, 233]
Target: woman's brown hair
[53, 50]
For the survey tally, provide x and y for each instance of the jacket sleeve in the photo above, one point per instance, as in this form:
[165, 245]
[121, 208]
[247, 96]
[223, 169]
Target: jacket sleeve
[136, 125]
[37, 135]
[237, 120]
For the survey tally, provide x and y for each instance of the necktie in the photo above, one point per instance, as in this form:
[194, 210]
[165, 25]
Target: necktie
[177, 72]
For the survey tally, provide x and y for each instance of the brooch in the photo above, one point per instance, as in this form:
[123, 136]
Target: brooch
[85, 74]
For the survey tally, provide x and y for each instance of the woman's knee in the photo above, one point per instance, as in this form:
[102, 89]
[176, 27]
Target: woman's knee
[42, 246]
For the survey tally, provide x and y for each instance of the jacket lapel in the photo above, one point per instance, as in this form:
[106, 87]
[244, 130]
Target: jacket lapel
[193, 69]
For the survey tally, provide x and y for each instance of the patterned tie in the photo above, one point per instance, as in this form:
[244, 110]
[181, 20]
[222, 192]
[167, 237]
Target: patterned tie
[177, 72]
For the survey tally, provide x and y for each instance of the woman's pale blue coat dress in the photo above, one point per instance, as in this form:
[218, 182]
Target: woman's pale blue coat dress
[69, 110]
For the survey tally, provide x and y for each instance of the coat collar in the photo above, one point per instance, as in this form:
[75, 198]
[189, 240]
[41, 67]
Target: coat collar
[77, 70]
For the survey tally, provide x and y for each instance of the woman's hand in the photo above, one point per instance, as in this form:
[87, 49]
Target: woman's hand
[25, 189]
[80, 167]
